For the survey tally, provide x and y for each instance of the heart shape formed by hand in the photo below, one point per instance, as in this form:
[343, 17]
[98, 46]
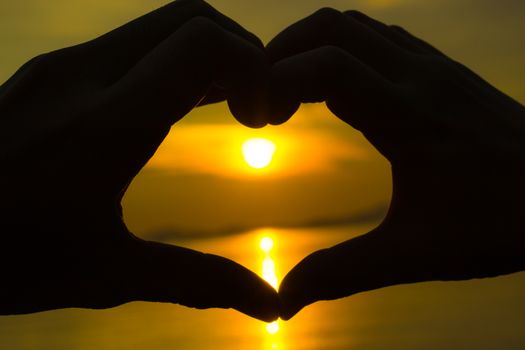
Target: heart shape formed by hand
[411, 102]
[81, 122]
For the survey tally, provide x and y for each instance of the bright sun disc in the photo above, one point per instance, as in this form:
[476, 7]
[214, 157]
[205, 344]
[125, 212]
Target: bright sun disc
[258, 153]
[273, 327]
[266, 244]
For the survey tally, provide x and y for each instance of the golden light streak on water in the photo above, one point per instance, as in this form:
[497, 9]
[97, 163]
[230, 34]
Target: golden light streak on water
[268, 272]
[266, 245]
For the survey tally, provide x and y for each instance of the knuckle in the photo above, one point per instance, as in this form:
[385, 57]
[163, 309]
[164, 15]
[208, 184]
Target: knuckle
[44, 59]
[204, 27]
[197, 3]
[213, 39]
[328, 15]
[202, 23]
[201, 6]
[43, 62]
[196, 7]
[398, 28]
[331, 23]
[192, 2]
[354, 13]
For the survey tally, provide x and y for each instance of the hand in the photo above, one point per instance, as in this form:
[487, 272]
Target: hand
[78, 124]
[455, 143]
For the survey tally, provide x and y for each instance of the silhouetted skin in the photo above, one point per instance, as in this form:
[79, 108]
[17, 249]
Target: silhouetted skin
[78, 124]
[456, 146]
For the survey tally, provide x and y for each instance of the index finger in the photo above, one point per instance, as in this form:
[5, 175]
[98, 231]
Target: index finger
[329, 27]
[118, 50]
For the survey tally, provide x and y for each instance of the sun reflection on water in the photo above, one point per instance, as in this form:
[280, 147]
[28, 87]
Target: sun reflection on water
[269, 274]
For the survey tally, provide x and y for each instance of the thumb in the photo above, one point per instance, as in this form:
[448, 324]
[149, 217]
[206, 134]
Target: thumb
[166, 273]
[371, 261]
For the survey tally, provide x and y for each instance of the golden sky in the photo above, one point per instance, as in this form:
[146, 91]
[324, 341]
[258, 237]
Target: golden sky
[323, 169]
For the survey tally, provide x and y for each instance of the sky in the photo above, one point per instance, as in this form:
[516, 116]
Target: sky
[323, 169]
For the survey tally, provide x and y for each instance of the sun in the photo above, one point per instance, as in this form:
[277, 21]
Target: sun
[258, 152]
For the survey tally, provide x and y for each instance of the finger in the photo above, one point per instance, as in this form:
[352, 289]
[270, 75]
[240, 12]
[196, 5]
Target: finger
[118, 51]
[392, 254]
[388, 32]
[164, 273]
[176, 75]
[171, 80]
[352, 90]
[410, 42]
[329, 27]
[416, 42]
[429, 49]
[364, 263]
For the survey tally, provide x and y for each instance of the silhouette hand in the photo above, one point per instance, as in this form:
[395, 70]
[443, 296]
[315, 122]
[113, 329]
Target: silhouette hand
[455, 143]
[78, 124]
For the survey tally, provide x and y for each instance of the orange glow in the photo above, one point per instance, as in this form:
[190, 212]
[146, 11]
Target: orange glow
[239, 152]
